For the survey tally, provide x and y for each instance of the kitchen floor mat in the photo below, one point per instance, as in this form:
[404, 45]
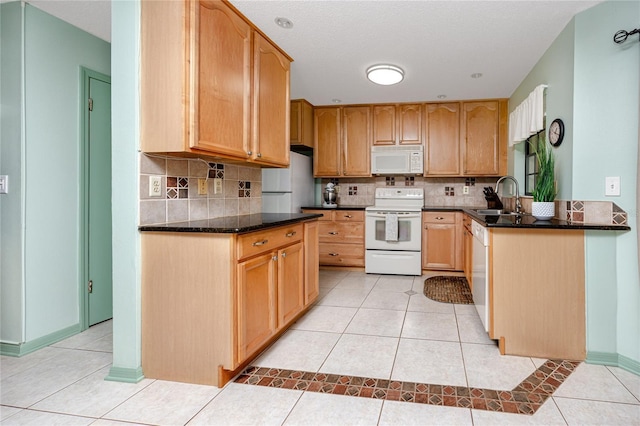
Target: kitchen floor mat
[447, 289]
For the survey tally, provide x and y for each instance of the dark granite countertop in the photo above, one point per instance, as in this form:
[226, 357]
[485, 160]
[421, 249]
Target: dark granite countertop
[232, 224]
[340, 207]
[525, 221]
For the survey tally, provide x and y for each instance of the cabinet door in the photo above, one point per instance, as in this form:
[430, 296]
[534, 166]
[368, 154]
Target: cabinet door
[326, 156]
[384, 125]
[442, 139]
[221, 80]
[356, 141]
[311, 262]
[290, 283]
[480, 138]
[410, 124]
[270, 133]
[256, 321]
[301, 126]
[438, 243]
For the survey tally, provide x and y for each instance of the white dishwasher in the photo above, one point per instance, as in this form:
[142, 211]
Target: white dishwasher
[480, 270]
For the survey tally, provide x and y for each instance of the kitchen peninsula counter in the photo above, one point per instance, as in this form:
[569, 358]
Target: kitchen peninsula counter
[525, 221]
[217, 292]
[232, 224]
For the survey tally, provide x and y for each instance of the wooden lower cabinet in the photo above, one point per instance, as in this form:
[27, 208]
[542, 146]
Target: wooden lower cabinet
[537, 292]
[212, 302]
[257, 289]
[341, 237]
[441, 240]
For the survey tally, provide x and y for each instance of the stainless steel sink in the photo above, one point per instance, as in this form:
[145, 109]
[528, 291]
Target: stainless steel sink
[496, 212]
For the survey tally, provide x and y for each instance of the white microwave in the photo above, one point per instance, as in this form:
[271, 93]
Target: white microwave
[397, 160]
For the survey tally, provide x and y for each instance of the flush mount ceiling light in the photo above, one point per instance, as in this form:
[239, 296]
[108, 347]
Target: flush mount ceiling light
[284, 23]
[476, 75]
[385, 74]
[442, 96]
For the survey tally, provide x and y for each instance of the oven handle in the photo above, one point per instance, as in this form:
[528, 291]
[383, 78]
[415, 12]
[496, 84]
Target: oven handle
[400, 216]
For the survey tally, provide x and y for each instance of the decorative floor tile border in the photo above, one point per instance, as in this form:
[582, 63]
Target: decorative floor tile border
[525, 398]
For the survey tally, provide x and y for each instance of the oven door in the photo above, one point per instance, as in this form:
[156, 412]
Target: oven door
[409, 232]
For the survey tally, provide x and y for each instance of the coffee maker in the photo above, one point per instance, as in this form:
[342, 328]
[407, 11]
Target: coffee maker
[330, 196]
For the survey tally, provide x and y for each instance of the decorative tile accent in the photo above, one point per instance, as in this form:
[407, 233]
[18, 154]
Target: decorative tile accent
[244, 188]
[449, 191]
[216, 171]
[409, 181]
[177, 187]
[390, 180]
[619, 218]
[471, 181]
[353, 190]
[526, 398]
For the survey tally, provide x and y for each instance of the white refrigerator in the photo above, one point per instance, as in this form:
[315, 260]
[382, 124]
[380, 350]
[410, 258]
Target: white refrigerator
[287, 190]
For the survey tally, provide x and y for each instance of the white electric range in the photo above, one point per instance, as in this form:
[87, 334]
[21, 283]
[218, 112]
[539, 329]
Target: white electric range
[393, 234]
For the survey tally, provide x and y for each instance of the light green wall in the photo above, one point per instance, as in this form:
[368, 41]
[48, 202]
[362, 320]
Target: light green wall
[606, 109]
[555, 69]
[594, 88]
[53, 53]
[11, 164]
[125, 30]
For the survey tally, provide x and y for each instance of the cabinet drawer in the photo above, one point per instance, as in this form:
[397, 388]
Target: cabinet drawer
[348, 215]
[439, 217]
[326, 214]
[258, 242]
[341, 254]
[342, 232]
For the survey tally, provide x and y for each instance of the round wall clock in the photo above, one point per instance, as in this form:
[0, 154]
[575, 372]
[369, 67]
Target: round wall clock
[556, 132]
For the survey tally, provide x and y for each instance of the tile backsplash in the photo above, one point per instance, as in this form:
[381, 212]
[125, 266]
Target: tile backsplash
[180, 201]
[241, 192]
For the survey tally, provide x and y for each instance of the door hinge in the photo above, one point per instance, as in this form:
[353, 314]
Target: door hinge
[90, 286]
[90, 104]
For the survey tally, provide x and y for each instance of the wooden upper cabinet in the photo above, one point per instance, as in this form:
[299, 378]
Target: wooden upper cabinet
[223, 46]
[211, 84]
[270, 136]
[384, 125]
[356, 141]
[397, 124]
[483, 137]
[442, 139]
[301, 126]
[410, 124]
[326, 130]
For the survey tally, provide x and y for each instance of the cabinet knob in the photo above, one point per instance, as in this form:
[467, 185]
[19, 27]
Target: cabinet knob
[290, 234]
[333, 233]
[274, 258]
[260, 243]
[259, 155]
[249, 152]
[333, 254]
[284, 254]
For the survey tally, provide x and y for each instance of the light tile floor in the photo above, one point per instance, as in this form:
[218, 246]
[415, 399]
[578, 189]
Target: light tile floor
[364, 325]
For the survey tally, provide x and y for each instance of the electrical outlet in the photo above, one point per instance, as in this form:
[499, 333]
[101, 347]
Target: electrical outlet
[217, 186]
[612, 186]
[465, 189]
[155, 186]
[4, 184]
[202, 187]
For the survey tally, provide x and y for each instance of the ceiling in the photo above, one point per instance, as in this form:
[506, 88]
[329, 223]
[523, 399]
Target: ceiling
[439, 44]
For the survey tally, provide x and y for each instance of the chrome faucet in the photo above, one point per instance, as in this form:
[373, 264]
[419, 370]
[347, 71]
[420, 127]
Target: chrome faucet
[518, 204]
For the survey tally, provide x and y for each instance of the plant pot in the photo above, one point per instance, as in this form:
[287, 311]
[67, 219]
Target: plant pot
[543, 210]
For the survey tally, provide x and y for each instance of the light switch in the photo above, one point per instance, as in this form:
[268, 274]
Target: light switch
[612, 186]
[4, 184]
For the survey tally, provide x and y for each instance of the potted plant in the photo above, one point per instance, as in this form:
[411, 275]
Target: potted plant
[544, 192]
